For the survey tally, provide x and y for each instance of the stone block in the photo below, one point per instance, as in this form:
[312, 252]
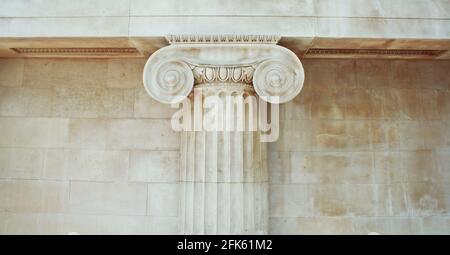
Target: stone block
[402, 104]
[65, 27]
[358, 200]
[218, 8]
[442, 104]
[406, 226]
[328, 104]
[20, 223]
[436, 225]
[147, 107]
[83, 8]
[85, 102]
[163, 200]
[82, 224]
[21, 163]
[359, 104]
[329, 199]
[366, 225]
[381, 28]
[384, 135]
[125, 73]
[331, 167]
[373, 73]
[107, 224]
[435, 134]
[50, 73]
[11, 72]
[388, 200]
[340, 135]
[108, 198]
[34, 223]
[329, 135]
[380, 9]
[33, 132]
[279, 167]
[362, 200]
[357, 136]
[33, 196]
[405, 74]
[154, 134]
[290, 200]
[388, 167]
[23, 102]
[87, 133]
[335, 74]
[3, 222]
[427, 198]
[294, 135]
[283, 226]
[324, 226]
[137, 225]
[163, 25]
[121, 225]
[300, 107]
[377, 97]
[154, 166]
[398, 201]
[387, 225]
[163, 226]
[433, 103]
[411, 135]
[419, 74]
[443, 164]
[85, 165]
[420, 166]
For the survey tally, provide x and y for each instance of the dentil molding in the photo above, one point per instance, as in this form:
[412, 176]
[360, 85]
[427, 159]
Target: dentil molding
[275, 73]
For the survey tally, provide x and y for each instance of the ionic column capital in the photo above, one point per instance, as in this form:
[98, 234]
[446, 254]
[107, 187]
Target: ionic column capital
[273, 71]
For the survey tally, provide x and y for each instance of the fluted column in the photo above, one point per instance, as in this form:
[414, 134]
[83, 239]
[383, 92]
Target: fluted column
[223, 171]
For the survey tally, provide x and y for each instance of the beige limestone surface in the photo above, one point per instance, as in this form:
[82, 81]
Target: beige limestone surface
[304, 18]
[364, 147]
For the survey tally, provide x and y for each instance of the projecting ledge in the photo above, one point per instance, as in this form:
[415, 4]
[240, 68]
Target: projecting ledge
[303, 47]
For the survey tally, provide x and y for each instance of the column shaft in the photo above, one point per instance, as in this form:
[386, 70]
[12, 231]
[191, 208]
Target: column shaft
[224, 182]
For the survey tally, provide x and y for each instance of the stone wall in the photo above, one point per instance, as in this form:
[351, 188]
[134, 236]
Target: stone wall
[364, 147]
[84, 149]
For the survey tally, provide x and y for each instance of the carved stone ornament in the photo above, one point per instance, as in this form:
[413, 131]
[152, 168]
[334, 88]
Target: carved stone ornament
[224, 175]
[274, 71]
